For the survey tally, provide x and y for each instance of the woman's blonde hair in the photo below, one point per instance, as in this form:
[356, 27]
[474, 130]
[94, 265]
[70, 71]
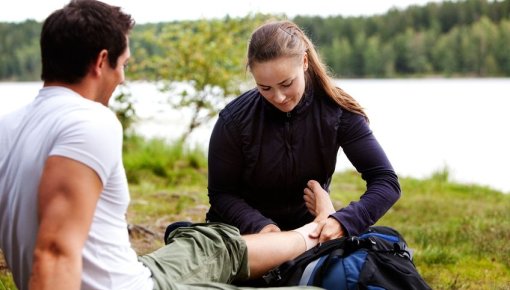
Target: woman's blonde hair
[284, 38]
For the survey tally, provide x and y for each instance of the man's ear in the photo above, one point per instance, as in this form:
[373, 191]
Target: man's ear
[101, 62]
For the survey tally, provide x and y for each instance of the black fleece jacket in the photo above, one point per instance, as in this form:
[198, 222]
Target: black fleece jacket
[260, 160]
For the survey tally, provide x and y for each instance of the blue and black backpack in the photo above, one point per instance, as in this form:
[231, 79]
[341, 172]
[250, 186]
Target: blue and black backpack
[376, 260]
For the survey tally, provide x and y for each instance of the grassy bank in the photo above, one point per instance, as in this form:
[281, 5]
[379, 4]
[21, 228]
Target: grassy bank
[460, 233]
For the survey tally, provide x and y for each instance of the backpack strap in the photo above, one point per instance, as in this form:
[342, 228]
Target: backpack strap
[289, 273]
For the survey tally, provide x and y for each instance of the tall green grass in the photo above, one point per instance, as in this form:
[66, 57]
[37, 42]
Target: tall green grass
[460, 233]
[6, 282]
[162, 163]
[166, 180]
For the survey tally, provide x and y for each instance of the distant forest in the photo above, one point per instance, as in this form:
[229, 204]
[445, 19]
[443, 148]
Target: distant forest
[451, 38]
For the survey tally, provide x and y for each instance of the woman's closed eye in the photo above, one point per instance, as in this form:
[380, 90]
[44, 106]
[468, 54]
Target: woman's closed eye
[286, 85]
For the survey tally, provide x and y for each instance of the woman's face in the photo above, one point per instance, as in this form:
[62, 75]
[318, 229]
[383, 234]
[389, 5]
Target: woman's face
[281, 81]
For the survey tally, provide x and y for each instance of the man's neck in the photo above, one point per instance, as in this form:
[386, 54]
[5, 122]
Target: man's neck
[81, 88]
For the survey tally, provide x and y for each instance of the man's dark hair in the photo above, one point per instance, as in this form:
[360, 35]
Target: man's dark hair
[72, 37]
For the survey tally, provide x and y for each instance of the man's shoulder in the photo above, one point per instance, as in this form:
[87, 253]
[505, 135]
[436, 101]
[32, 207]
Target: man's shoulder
[78, 111]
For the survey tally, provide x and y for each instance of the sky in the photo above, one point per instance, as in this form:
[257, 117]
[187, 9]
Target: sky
[145, 11]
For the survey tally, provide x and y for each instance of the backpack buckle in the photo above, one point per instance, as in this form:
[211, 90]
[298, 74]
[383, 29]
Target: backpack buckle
[272, 276]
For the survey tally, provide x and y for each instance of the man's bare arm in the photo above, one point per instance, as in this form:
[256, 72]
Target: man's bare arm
[68, 195]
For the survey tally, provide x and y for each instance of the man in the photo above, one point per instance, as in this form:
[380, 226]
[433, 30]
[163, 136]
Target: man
[63, 189]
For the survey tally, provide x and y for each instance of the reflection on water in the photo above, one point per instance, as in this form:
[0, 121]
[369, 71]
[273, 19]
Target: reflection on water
[424, 125]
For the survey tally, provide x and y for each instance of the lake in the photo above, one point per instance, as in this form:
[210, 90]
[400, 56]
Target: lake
[424, 125]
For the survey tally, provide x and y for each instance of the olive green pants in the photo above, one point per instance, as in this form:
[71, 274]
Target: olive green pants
[211, 255]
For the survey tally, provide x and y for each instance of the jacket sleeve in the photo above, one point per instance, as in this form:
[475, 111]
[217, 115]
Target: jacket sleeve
[365, 153]
[225, 162]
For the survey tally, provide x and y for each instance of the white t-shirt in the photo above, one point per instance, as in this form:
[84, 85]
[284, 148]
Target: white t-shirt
[61, 122]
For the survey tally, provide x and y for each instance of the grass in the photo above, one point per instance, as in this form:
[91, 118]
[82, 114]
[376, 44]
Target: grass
[459, 233]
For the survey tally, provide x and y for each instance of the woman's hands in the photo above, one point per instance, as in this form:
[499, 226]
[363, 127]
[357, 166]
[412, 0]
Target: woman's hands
[318, 202]
[328, 229]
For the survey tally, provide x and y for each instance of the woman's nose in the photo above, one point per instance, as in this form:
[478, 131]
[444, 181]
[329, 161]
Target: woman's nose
[278, 97]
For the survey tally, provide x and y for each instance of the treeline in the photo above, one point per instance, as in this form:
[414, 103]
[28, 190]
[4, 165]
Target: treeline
[450, 38]
[461, 38]
[19, 51]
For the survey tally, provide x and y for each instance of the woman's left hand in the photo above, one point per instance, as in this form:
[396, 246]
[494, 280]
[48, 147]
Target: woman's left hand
[328, 229]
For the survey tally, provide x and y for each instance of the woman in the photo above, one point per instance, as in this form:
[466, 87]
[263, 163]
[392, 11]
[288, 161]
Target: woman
[273, 150]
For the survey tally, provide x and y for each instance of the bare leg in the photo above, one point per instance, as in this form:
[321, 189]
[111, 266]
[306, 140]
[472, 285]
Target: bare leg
[268, 250]
[317, 201]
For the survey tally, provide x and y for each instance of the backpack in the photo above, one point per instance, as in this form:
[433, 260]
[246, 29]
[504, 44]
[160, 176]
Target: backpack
[377, 259]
